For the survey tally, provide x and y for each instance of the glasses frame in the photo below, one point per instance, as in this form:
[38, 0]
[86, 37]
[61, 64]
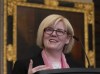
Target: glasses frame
[50, 31]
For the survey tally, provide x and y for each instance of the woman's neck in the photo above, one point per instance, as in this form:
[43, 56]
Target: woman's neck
[54, 56]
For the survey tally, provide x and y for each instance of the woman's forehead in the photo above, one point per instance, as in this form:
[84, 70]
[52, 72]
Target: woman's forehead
[58, 24]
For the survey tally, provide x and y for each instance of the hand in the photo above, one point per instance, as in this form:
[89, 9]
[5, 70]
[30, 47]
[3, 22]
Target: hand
[32, 70]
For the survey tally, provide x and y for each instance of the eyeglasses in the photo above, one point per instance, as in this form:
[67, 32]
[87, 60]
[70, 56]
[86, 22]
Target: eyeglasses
[59, 32]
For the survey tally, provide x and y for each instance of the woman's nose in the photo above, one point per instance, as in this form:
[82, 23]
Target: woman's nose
[54, 33]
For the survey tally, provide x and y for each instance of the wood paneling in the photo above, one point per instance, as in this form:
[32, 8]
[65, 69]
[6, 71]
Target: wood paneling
[97, 31]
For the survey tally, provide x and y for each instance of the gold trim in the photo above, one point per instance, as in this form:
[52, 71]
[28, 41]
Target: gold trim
[10, 52]
[15, 33]
[90, 20]
[91, 57]
[11, 3]
[50, 7]
[86, 37]
[74, 1]
[5, 36]
[51, 2]
[89, 8]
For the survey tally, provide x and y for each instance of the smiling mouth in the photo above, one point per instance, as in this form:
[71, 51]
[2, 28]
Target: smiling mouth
[53, 40]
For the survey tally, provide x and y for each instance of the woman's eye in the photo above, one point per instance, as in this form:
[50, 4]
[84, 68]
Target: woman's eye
[60, 31]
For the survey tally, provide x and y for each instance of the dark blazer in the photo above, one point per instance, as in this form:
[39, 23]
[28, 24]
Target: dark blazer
[21, 66]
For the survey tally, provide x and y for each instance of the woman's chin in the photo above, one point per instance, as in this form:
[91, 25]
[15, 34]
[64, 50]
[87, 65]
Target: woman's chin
[52, 47]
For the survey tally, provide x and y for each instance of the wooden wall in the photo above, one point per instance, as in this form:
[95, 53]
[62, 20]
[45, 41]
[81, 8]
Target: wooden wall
[97, 31]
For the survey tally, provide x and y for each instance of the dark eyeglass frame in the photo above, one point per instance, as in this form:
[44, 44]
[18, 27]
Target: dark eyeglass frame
[59, 32]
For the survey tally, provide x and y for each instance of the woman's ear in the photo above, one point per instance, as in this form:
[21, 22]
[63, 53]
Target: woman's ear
[68, 39]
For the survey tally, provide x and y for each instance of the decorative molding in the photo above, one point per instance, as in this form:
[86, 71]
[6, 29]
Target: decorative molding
[10, 5]
[5, 38]
[10, 52]
[91, 57]
[82, 1]
[89, 7]
[51, 2]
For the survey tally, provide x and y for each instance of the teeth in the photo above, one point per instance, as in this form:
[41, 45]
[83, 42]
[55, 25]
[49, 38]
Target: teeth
[52, 40]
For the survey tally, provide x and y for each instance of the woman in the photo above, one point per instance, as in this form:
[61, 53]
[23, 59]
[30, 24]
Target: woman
[55, 37]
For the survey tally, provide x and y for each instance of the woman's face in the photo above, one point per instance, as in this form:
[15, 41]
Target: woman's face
[55, 36]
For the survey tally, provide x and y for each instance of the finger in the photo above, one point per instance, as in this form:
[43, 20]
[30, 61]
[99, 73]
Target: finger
[30, 67]
[44, 68]
[39, 68]
[30, 64]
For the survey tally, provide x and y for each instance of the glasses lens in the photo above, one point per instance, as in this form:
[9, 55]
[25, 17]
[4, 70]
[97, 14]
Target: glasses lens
[48, 30]
[59, 32]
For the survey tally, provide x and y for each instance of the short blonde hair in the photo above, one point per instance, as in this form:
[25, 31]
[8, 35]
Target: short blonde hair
[49, 20]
